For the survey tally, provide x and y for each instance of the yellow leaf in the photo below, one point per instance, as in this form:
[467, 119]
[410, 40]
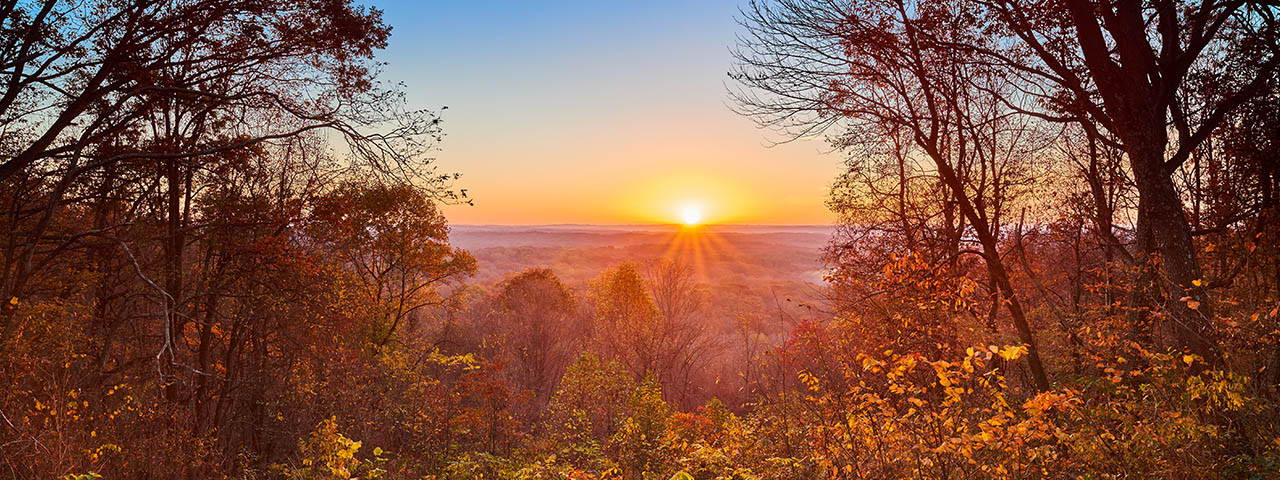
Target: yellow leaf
[1013, 353]
[1197, 283]
[1188, 359]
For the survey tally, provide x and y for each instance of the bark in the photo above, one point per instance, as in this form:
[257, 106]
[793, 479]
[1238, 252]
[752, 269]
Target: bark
[173, 268]
[996, 269]
[1136, 94]
[1164, 236]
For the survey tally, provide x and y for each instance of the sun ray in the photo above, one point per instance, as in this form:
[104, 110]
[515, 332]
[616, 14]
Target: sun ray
[691, 246]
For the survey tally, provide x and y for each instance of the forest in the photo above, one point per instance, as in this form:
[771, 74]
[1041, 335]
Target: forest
[224, 255]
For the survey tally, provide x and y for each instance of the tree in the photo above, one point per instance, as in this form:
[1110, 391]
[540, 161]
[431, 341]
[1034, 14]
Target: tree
[651, 325]
[84, 75]
[585, 410]
[687, 346]
[886, 70]
[1134, 75]
[628, 324]
[397, 244]
[536, 317]
[93, 92]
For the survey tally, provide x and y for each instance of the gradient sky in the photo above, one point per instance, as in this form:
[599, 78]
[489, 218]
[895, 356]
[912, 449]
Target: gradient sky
[610, 112]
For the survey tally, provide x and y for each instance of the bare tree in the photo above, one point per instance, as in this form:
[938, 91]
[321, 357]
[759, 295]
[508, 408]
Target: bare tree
[651, 323]
[1128, 73]
[882, 71]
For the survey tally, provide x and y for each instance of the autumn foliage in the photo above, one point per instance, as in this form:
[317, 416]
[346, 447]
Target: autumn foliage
[223, 256]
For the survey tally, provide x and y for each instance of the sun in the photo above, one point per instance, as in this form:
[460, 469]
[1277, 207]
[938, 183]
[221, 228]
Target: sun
[691, 215]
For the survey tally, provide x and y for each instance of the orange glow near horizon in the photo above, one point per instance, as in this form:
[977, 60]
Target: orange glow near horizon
[633, 189]
[561, 145]
[674, 198]
[684, 198]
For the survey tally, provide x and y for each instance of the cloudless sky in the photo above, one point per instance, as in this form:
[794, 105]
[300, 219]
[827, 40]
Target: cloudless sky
[611, 112]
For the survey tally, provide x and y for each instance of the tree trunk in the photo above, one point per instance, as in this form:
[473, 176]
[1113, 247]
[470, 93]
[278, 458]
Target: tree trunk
[173, 269]
[1164, 236]
[996, 269]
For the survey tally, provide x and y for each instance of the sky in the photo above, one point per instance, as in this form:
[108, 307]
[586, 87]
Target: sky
[598, 112]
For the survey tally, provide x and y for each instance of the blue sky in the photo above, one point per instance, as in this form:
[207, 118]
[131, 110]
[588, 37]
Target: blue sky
[597, 112]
